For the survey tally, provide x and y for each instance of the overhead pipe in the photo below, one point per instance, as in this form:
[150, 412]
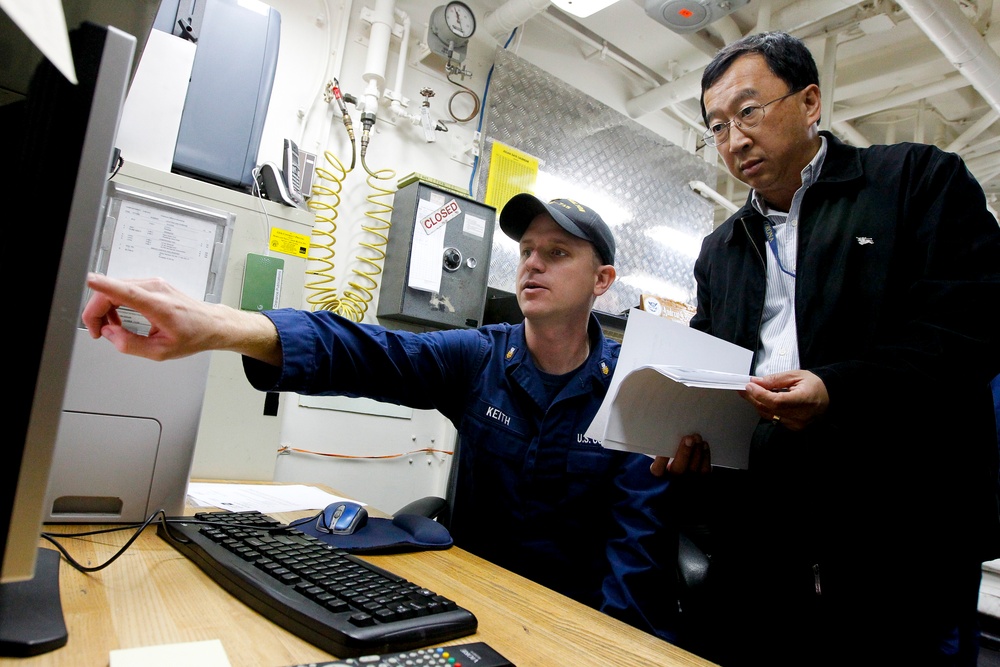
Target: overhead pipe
[602, 47]
[973, 131]
[981, 164]
[726, 28]
[982, 158]
[828, 76]
[990, 145]
[708, 193]
[688, 86]
[960, 42]
[798, 15]
[685, 87]
[989, 175]
[501, 21]
[947, 84]
[847, 131]
[764, 13]
[701, 42]
[920, 128]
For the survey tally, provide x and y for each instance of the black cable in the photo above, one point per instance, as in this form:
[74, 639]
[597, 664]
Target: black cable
[119, 163]
[164, 522]
[83, 568]
[304, 520]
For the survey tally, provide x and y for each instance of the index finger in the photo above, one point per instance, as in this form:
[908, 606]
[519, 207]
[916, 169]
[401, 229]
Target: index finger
[688, 455]
[99, 306]
[111, 292]
[682, 457]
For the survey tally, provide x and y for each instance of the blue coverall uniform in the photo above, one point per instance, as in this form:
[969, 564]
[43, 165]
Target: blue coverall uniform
[534, 494]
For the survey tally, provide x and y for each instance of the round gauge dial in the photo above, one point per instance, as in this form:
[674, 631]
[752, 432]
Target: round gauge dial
[460, 19]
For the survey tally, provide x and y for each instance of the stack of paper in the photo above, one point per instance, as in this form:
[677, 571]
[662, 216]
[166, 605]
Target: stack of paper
[673, 381]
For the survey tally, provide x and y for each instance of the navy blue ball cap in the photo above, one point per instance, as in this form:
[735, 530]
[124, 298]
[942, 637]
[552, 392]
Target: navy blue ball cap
[574, 217]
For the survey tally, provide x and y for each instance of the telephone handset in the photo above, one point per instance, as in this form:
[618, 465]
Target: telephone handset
[283, 185]
[292, 171]
[272, 185]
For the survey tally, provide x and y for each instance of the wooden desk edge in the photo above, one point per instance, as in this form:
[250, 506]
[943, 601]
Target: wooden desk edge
[154, 595]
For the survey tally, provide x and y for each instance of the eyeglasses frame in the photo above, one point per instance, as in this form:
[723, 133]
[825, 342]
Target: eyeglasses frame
[709, 137]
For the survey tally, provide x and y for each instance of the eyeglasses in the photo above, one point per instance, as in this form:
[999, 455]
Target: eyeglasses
[749, 116]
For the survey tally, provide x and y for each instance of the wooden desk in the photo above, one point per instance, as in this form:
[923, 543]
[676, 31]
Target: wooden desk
[154, 595]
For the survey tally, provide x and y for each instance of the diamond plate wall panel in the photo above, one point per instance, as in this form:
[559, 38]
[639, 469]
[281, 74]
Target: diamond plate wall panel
[584, 141]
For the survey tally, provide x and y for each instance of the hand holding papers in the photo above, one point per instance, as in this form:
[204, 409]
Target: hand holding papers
[672, 381]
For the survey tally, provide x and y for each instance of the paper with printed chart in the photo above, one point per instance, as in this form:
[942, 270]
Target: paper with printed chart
[671, 381]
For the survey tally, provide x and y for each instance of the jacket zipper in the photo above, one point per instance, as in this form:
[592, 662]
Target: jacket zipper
[816, 580]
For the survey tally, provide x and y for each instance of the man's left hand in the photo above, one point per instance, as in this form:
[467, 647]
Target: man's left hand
[693, 455]
[793, 399]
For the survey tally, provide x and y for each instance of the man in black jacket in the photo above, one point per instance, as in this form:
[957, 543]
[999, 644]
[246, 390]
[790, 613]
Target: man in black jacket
[867, 282]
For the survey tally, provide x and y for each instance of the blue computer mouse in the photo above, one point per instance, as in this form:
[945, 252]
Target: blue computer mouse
[342, 518]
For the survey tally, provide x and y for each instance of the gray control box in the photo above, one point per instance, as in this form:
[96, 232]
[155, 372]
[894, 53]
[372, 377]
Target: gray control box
[230, 86]
[437, 258]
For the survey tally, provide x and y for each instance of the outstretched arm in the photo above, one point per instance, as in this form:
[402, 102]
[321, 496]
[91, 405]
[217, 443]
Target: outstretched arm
[180, 325]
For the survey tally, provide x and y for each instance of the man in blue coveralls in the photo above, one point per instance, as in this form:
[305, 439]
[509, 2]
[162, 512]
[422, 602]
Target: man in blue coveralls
[534, 494]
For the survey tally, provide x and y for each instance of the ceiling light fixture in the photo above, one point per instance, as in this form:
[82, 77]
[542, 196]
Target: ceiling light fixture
[582, 8]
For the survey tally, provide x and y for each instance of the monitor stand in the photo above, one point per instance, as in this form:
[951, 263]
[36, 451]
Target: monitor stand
[31, 616]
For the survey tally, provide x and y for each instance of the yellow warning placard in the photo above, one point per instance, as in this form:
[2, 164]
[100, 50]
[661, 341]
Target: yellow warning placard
[289, 243]
[511, 173]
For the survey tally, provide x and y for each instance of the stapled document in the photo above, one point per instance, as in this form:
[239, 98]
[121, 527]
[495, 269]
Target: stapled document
[671, 381]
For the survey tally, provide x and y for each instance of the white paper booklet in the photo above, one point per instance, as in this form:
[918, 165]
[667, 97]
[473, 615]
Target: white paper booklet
[671, 381]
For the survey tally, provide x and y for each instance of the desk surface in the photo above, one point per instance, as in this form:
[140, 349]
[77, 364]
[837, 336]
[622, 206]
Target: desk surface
[153, 595]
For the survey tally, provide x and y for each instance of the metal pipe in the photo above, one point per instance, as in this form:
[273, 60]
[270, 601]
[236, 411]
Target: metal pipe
[708, 193]
[513, 13]
[952, 82]
[973, 131]
[688, 86]
[828, 76]
[945, 24]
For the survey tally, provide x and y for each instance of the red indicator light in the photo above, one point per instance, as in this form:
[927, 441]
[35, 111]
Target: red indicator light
[685, 13]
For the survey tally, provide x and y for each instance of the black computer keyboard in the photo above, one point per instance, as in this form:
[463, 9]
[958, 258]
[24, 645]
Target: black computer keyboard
[324, 595]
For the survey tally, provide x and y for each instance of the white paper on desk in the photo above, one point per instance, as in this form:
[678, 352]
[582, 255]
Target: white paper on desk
[208, 653]
[652, 341]
[266, 498]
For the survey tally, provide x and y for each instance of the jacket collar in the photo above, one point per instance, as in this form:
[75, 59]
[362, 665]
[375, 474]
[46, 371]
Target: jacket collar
[599, 365]
[842, 164]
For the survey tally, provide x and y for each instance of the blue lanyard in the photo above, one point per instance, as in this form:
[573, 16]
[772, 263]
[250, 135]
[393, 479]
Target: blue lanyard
[769, 232]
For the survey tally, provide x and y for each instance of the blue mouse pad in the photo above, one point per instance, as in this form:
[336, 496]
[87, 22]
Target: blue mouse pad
[404, 532]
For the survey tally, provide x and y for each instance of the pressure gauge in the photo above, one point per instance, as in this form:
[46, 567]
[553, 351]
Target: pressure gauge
[449, 30]
[454, 21]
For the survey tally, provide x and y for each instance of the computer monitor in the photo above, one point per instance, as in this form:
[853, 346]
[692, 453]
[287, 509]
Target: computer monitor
[62, 137]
